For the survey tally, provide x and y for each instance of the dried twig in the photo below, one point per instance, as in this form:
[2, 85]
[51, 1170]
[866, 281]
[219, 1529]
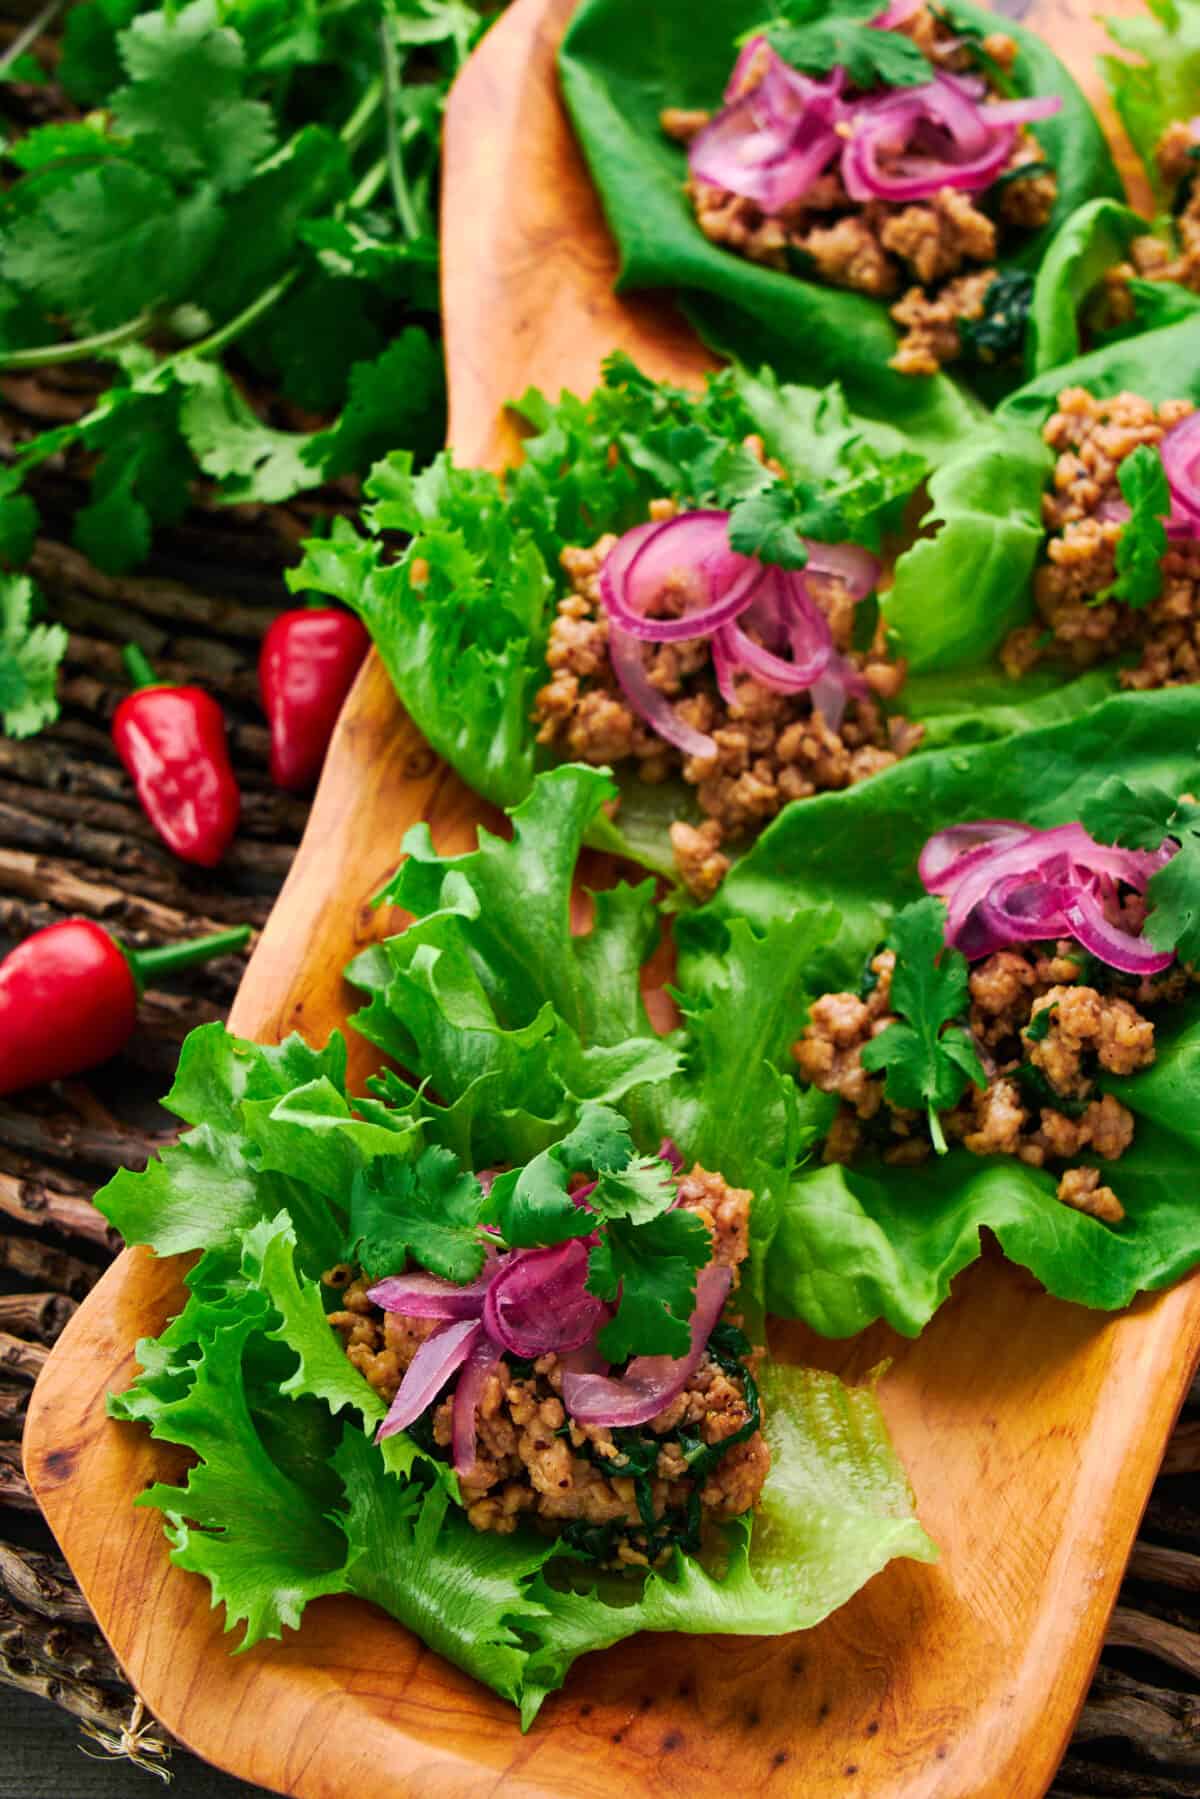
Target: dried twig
[14, 1488]
[1154, 1636]
[40, 1315]
[37, 1261]
[42, 1583]
[36, 1203]
[20, 1360]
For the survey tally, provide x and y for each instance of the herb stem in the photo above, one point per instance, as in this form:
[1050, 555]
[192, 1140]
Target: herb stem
[405, 209]
[31, 33]
[352, 131]
[77, 349]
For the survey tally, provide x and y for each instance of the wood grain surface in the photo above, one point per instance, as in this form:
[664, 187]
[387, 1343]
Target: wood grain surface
[1032, 1430]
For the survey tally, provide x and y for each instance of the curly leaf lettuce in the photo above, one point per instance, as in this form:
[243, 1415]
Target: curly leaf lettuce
[252, 1381]
[619, 69]
[855, 1244]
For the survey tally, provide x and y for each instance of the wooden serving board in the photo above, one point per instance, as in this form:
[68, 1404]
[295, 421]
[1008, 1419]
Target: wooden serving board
[1032, 1430]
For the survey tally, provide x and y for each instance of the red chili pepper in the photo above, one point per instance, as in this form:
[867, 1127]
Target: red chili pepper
[172, 741]
[69, 996]
[309, 659]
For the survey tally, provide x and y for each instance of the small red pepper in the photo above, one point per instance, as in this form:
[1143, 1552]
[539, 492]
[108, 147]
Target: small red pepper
[69, 996]
[309, 659]
[172, 742]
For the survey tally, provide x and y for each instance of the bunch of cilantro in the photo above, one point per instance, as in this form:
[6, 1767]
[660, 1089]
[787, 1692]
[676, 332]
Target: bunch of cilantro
[530, 1050]
[237, 193]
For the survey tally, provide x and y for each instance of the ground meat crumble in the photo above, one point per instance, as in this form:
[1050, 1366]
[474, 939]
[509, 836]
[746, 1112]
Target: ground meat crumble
[771, 747]
[623, 1497]
[1154, 258]
[937, 255]
[1043, 1034]
[1091, 438]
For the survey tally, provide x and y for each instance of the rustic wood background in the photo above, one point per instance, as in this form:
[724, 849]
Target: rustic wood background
[72, 840]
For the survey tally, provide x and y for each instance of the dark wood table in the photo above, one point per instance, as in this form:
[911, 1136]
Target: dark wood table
[72, 841]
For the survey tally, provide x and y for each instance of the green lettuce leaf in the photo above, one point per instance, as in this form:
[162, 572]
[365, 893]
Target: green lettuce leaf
[620, 67]
[1083, 249]
[1161, 85]
[853, 1245]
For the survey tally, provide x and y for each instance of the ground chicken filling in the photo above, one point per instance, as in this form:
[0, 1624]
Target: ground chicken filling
[938, 255]
[1153, 258]
[623, 1498]
[1091, 438]
[771, 747]
[1047, 1021]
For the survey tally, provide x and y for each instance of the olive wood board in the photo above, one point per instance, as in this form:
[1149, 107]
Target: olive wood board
[1032, 1430]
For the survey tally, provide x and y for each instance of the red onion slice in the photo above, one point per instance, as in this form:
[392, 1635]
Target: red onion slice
[897, 13]
[483, 1358]
[1119, 948]
[649, 1383]
[626, 655]
[692, 549]
[426, 1296]
[1180, 451]
[1031, 855]
[1021, 112]
[839, 683]
[854, 567]
[539, 1305]
[436, 1360]
[669, 1151]
[773, 140]
[945, 856]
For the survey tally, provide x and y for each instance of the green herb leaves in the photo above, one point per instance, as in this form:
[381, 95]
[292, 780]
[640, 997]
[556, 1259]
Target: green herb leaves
[928, 1059]
[428, 1209]
[818, 39]
[1144, 818]
[1143, 541]
[29, 657]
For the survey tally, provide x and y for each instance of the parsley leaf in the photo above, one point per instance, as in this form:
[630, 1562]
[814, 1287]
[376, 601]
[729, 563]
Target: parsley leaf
[429, 1209]
[650, 1270]
[1143, 818]
[928, 1060]
[29, 659]
[1143, 542]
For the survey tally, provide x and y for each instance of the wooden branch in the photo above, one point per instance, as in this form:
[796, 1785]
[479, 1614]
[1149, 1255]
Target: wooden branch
[1183, 1450]
[14, 1488]
[1080, 1779]
[36, 878]
[36, 1203]
[21, 1360]
[1162, 1725]
[1179, 1648]
[14, 1405]
[62, 1134]
[44, 1584]
[57, 568]
[1171, 1567]
[37, 1261]
[57, 1648]
[43, 1316]
[120, 1729]
[225, 673]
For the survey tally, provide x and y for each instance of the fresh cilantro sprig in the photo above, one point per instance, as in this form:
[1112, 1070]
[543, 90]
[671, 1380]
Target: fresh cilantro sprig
[1143, 541]
[429, 1208]
[1144, 818]
[29, 657]
[817, 38]
[929, 1059]
[648, 1255]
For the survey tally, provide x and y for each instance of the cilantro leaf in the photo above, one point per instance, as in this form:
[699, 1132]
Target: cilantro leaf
[428, 1209]
[398, 398]
[252, 461]
[29, 658]
[928, 1060]
[114, 241]
[871, 58]
[1143, 818]
[767, 525]
[184, 106]
[649, 1270]
[1143, 541]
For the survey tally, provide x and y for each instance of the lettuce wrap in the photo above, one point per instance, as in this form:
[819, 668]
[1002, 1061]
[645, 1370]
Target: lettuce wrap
[532, 1041]
[619, 68]
[856, 1244]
